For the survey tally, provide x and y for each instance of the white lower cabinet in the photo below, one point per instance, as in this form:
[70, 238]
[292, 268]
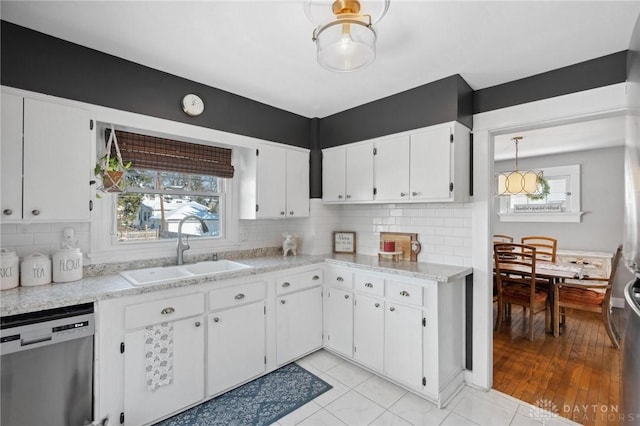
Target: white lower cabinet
[403, 344]
[368, 331]
[338, 323]
[298, 324]
[235, 346]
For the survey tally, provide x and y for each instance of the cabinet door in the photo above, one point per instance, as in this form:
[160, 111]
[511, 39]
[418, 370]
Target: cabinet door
[271, 178]
[359, 173]
[392, 169]
[57, 166]
[298, 324]
[11, 158]
[403, 344]
[339, 321]
[334, 174]
[368, 331]
[142, 405]
[236, 346]
[297, 184]
[430, 168]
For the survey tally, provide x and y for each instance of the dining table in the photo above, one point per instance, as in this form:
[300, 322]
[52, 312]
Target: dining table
[552, 273]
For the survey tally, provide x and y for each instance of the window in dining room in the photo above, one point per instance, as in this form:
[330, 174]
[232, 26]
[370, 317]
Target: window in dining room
[560, 204]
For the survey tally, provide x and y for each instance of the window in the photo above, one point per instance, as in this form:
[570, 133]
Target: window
[156, 202]
[561, 204]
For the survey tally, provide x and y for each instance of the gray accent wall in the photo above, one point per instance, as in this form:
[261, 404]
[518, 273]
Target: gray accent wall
[602, 187]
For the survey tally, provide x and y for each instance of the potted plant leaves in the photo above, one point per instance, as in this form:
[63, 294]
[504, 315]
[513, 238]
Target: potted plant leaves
[110, 168]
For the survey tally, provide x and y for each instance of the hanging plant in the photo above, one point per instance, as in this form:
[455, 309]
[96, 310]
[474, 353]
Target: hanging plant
[543, 189]
[111, 169]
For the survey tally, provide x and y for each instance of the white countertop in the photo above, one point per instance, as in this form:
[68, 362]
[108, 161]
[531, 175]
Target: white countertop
[91, 289]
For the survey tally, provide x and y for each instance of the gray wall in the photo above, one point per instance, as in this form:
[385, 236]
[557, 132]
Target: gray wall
[602, 187]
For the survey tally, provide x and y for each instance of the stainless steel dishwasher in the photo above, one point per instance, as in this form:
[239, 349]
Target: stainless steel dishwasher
[47, 367]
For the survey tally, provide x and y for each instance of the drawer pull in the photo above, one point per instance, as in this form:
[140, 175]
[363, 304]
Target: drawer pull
[167, 311]
[404, 293]
[239, 296]
[283, 301]
[315, 278]
[368, 285]
[339, 279]
[286, 284]
[35, 212]
[216, 319]
[7, 212]
[346, 296]
[377, 305]
[197, 323]
[392, 309]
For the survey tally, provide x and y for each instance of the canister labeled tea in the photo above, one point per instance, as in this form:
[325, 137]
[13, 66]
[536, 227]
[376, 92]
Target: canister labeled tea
[9, 270]
[35, 270]
[67, 265]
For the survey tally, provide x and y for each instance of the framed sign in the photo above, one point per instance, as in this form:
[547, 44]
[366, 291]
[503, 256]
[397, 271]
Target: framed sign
[344, 242]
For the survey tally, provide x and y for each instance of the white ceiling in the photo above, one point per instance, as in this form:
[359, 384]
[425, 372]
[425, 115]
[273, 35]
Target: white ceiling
[263, 50]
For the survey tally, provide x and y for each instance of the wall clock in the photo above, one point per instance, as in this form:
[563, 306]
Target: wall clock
[192, 105]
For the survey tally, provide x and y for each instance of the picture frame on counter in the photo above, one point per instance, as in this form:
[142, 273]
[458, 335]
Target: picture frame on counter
[344, 242]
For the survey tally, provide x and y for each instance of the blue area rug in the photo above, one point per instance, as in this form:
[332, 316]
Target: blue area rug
[260, 402]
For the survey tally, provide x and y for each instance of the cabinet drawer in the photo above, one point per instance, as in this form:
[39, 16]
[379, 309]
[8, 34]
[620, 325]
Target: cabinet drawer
[236, 295]
[295, 282]
[405, 293]
[368, 284]
[338, 277]
[170, 309]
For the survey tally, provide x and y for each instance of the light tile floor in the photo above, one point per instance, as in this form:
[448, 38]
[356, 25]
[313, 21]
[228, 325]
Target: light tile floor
[361, 398]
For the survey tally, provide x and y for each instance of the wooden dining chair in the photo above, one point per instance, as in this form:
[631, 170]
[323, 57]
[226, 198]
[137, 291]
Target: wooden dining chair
[498, 238]
[546, 246]
[591, 294]
[515, 272]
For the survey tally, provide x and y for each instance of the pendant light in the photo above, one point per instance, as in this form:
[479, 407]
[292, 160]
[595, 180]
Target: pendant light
[345, 38]
[518, 182]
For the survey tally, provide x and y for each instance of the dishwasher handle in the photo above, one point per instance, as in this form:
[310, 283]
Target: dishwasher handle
[33, 341]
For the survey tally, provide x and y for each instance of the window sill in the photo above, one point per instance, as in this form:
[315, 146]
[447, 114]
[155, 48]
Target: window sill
[541, 217]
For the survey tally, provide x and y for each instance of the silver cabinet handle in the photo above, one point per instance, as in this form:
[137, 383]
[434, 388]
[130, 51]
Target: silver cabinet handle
[291, 213]
[404, 293]
[197, 323]
[339, 279]
[239, 296]
[167, 311]
[282, 213]
[286, 284]
[340, 197]
[377, 305]
[403, 194]
[346, 296]
[216, 319]
[348, 196]
[414, 193]
[7, 212]
[315, 278]
[35, 212]
[392, 309]
[283, 301]
[368, 285]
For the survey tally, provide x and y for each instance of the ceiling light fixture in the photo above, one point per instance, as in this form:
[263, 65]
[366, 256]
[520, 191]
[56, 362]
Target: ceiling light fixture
[345, 38]
[518, 182]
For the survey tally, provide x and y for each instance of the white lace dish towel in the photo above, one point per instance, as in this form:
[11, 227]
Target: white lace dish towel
[158, 347]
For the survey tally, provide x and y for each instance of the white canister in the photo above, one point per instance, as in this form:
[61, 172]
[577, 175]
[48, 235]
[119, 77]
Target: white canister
[9, 270]
[67, 265]
[35, 270]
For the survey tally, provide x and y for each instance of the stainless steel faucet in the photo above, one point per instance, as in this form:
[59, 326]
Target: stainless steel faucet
[182, 246]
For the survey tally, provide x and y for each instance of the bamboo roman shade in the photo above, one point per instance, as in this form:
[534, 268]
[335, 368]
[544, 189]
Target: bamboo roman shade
[151, 152]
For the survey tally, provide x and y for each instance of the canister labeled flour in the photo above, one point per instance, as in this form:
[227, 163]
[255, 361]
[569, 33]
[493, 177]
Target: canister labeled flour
[35, 270]
[9, 270]
[67, 265]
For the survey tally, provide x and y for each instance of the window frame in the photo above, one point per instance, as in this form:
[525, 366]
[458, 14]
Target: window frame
[573, 212]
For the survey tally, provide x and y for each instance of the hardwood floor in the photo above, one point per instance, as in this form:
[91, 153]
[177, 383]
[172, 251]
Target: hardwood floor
[576, 374]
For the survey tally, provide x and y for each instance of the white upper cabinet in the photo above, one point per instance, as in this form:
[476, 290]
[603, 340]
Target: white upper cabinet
[347, 173]
[274, 182]
[423, 165]
[46, 161]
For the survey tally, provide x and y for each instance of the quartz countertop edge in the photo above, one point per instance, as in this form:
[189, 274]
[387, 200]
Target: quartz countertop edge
[102, 287]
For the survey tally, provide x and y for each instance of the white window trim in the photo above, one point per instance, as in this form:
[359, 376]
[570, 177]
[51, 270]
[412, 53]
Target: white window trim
[573, 215]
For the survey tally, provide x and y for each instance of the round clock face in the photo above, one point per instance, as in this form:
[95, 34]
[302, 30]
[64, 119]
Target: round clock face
[192, 105]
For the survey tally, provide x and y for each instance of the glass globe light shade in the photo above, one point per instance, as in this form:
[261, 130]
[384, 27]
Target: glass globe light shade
[345, 45]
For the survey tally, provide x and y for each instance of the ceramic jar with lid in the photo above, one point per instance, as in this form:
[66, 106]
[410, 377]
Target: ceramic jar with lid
[9, 270]
[67, 265]
[35, 270]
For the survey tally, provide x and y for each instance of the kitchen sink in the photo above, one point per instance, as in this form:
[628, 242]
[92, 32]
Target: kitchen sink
[162, 274]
